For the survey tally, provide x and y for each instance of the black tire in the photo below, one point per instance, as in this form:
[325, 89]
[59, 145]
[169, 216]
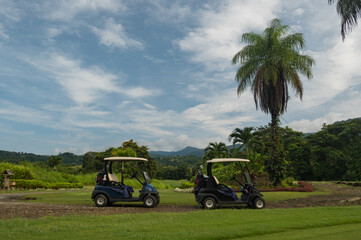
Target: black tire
[258, 203]
[158, 199]
[150, 201]
[209, 203]
[101, 200]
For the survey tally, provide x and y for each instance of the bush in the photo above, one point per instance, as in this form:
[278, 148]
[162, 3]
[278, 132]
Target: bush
[34, 184]
[186, 185]
[288, 182]
[20, 172]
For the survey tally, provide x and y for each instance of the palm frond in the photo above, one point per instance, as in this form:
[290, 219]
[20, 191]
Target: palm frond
[349, 11]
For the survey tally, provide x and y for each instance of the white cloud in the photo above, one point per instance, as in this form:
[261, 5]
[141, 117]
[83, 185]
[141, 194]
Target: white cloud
[337, 69]
[3, 33]
[15, 112]
[113, 35]
[154, 60]
[309, 126]
[10, 11]
[85, 85]
[176, 143]
[217, 38]
[9, 14]
[66, 10]
[170, 12]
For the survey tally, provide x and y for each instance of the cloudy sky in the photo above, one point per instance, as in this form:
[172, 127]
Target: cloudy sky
[87, 75]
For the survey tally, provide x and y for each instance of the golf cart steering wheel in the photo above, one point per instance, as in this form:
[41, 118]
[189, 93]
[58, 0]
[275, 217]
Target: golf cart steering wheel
[134, 175]
[233, 177]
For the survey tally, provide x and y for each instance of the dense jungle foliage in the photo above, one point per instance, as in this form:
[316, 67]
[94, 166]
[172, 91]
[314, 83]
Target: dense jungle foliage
[333, 153]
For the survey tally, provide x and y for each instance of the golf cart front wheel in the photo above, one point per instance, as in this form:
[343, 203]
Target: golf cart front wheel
[258, 203]
[101, 200]
[209, 203]
[150, 201]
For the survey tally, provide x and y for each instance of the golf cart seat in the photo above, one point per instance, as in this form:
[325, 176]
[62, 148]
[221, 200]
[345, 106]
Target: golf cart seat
[225, 190]
[216, 180]
[112, 178]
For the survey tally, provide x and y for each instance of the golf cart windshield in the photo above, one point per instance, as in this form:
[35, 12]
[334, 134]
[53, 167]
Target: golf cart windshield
[146, 177]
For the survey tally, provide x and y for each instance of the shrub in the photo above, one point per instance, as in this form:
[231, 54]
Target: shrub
[20, 172]
[186, 185]
[288, 182]
[34, 184]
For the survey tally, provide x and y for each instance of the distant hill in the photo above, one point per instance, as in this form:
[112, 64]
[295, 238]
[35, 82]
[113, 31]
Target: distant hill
[15, 157]
[188, 151]
[348, 120]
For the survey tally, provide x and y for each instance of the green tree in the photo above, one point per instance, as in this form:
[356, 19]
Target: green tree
[241, 136]
[349, 11]
[216, 150]
[53, 161]
[336, 151]
[269, 63]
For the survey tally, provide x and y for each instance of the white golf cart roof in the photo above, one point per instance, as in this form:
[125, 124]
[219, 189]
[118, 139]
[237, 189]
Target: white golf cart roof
[218, 160]
[125, 159]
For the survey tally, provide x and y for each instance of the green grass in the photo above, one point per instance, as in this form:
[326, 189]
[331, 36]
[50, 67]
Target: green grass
[167, 196]
[303, 223]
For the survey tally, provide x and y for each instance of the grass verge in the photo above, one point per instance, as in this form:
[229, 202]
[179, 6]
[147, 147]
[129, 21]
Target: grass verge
[303, 223]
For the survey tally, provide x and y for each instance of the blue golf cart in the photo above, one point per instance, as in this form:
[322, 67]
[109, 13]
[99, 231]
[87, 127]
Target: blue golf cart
[109, 189]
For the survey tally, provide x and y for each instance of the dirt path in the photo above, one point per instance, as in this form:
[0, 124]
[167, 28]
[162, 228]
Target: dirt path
[11, 206]
[341, 195]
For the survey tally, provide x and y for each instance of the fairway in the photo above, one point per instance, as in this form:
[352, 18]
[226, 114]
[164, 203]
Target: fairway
[312, 223]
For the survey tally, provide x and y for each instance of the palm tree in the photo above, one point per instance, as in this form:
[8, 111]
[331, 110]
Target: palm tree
[216, 150]
[349, 11]
[269, 63]
[241, 136]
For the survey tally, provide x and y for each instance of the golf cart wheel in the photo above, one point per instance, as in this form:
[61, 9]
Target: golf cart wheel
[101, 200]
[258, 203]
[150, 201]
[209, 203]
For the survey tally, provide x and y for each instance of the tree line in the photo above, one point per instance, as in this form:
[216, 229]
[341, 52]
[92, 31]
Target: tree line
[333, 153]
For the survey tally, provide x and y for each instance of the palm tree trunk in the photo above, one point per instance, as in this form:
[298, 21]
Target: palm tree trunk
[276, 160]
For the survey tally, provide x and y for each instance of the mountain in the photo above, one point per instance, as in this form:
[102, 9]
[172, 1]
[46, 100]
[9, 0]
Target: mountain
[188, 151]
[15, 157]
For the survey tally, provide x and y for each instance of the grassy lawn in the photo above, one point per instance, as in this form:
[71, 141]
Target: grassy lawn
[167, 196]
[302, 223]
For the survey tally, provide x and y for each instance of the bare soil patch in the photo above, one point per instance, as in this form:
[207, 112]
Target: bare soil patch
[340, 195]
[13, 205]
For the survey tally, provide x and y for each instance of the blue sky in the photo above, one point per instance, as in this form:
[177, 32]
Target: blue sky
[86, 75]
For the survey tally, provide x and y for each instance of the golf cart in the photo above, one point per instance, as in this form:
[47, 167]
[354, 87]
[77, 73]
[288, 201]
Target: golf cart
[108, 189]
[209, 192]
